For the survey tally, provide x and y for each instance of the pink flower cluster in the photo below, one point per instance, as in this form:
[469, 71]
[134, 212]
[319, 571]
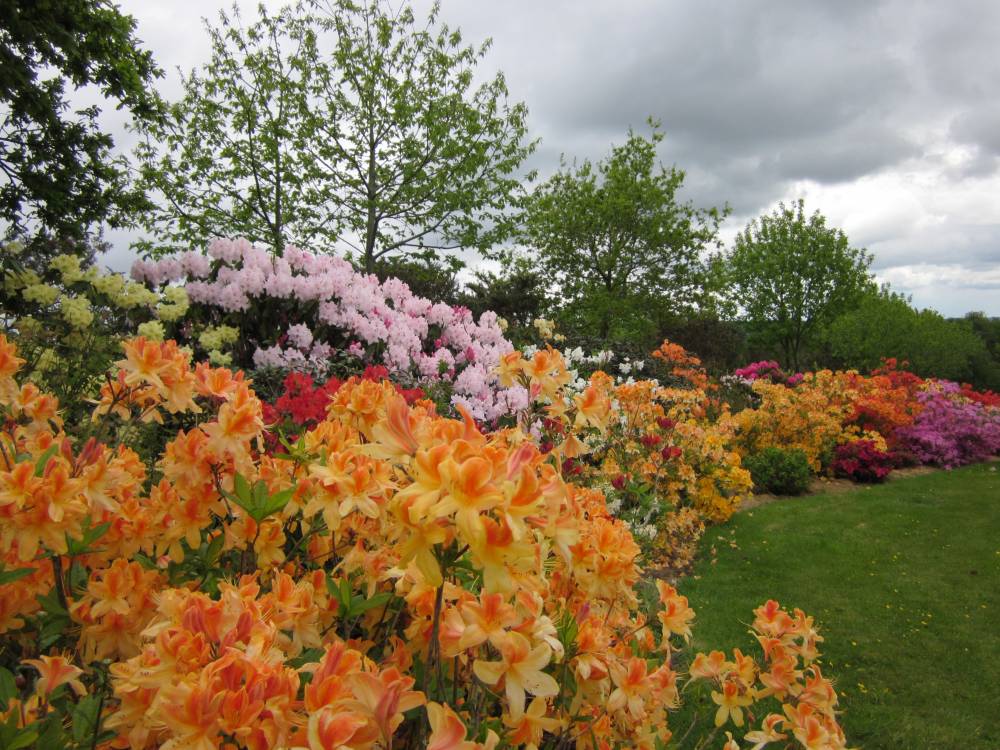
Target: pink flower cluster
[768, 370]
[385, 323]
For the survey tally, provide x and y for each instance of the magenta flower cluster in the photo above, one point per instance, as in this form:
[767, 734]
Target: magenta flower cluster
[768, 370]
[951, 430]
[333, 307]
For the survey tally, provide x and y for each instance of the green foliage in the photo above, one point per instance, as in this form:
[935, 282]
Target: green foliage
[60, 177]
[617, 242]
[518, 294]
[791, 274]
[357, 125]
[418, 158]
[228, 161]
[779, 471]
[884, 324]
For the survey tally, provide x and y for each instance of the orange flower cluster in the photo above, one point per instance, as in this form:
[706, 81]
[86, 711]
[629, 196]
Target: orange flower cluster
[395, 579]
[790, 678]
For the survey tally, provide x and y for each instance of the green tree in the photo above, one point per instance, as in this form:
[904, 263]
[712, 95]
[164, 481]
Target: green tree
[615, 240]
[790, 275]
[343, 123]
[228, 160]
[58, 176]
[518, 293]
[419, 158]
[885, 324]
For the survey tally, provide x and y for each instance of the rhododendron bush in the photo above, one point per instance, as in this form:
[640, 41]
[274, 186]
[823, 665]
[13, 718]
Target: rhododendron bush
[396, 579]
[298, 310]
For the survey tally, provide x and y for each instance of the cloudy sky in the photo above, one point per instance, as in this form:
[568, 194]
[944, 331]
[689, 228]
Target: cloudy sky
[883, 115]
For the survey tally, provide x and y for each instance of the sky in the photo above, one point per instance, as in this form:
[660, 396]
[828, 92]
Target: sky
[882, 115]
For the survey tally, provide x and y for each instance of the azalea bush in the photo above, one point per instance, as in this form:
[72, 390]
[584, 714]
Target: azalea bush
[396, 579]
[951, 430]
[812, 417]
[863, 461]
[298, 310]
[665, 464]
[69, 318]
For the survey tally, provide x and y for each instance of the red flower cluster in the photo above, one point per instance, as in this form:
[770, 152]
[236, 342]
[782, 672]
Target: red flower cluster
[303, 404]
[862, 461]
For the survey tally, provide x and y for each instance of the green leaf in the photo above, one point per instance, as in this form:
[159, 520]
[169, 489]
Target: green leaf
[8, 687]
[86, 717]
[9, 576]
[25, 738]
[360, 606]
[43, 460]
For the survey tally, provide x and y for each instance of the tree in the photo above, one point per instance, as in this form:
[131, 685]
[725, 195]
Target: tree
[790, 274]
[517, 293]
[228, 160]
[57, 173]
[419, 158]
[617, 243]
[342, 123]
[885, 324]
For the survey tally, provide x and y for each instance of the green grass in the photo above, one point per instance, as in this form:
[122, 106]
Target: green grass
[904, 582]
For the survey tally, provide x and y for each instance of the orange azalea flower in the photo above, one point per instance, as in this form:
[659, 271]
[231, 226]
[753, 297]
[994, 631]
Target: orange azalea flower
[631, 687]
[193, 713]
[676, 615]
[782, 679]
[10, 363]
[448, 731]
[54, 671]
[487, 619]
[711, 667]
[772, 620]
[511, 365]
[520, 667]
[385, 697]
[807, 726]
[240, 420]
[469, 490]
[332, 729]
[593, 408]
[731, 702]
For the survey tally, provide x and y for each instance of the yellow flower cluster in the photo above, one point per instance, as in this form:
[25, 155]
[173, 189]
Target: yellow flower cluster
[174, 305]
[76, 311]
[42, 294]
[152, 330]
[68, 267]
[218, 337]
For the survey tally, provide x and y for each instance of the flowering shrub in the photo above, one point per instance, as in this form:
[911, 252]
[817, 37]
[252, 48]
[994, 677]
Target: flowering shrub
[398, 579]
[68, 318]
[297, 310]
[951, 430]
[303, 404]
[768, 370]
[862, 461]
[654, 451]
[812, 417]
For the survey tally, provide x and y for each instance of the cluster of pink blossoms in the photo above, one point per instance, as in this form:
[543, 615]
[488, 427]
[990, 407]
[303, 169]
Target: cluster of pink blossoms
[338, 308]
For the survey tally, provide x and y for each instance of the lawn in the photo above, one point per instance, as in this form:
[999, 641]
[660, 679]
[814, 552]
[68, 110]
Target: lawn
[904, 582]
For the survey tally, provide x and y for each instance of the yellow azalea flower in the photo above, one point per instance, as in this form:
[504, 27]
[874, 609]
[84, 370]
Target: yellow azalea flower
[520, 667]
[731, 702]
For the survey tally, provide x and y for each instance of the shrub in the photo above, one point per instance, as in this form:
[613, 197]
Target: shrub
[294, 311]
[951, 430]
[779, 471]
[398, 579]
[862, 461]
